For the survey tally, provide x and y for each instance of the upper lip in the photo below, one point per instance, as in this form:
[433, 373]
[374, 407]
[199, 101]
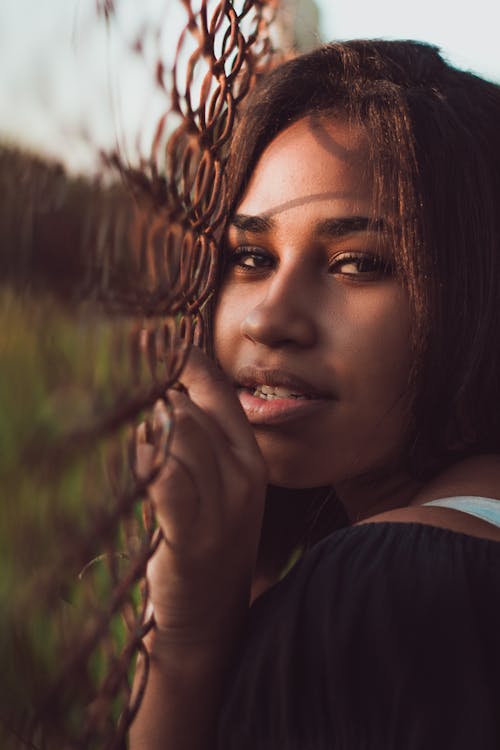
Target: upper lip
[251, 377]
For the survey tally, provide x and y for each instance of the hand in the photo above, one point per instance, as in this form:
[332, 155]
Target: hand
[209, 501]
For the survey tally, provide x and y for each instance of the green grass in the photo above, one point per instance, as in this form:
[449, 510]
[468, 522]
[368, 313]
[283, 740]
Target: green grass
[62, 370]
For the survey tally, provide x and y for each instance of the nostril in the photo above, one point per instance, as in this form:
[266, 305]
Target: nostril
[274, 326]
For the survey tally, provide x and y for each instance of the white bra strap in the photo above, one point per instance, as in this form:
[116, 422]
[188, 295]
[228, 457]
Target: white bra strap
[485, 508]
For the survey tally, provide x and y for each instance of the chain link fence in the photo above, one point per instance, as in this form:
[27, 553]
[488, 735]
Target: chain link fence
[103, 292]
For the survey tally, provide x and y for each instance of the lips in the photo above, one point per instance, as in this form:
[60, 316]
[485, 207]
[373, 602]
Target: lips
[274, 396]
[254, 378]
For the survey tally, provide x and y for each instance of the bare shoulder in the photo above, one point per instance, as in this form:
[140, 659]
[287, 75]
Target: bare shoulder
[476, 476]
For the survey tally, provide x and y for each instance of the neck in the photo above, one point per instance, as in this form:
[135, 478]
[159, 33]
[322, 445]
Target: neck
[376, 493]
[288, 516]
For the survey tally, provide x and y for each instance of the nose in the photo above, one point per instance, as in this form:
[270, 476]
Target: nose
[285, 315]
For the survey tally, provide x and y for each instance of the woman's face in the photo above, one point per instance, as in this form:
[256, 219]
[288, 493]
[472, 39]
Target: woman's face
[312, 325]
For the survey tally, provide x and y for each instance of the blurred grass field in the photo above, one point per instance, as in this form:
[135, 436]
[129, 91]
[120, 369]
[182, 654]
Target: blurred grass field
[59, 375]
[69, 368]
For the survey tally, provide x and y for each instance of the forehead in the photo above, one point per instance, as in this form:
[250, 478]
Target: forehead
[316, 160]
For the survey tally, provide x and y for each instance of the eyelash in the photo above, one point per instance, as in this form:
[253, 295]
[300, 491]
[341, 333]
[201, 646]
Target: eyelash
[235, 258]
[378, 266]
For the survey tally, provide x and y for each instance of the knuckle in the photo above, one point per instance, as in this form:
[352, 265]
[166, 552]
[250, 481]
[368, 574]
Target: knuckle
[254, 466]
[184, 420]
[175, 482]
[248, 482]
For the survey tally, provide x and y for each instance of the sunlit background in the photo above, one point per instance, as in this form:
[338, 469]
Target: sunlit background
[70, 85]
[86, 278]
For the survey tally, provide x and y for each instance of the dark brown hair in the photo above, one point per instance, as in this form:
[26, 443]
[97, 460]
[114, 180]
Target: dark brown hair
[434, 135]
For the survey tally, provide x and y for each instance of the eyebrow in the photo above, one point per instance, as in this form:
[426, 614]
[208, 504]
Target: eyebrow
[334, 227]
[346, 225]
[253, 224]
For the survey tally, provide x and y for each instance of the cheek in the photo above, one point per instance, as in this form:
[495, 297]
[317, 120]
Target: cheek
[373, 362]
[373, 340]
[391, 352]
[372, 358]
[227, 324]
[386, 389]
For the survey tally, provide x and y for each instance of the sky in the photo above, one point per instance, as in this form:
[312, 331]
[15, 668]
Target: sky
[468, 31]
[70, 87]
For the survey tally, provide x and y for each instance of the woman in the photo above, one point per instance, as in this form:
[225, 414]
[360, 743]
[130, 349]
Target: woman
[357, 322]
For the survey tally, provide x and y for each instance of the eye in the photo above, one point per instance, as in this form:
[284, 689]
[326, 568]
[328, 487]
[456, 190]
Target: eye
[249, 259]
[363, 265]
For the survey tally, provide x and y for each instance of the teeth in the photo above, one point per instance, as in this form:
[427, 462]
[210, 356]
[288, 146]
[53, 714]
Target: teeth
[269, 392]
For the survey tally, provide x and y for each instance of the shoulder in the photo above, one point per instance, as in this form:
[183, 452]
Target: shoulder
[477, 476]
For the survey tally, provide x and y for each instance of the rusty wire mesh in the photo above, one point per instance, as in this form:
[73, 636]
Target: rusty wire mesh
[102, 297]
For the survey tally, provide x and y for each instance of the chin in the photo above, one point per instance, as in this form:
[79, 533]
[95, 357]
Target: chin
[294, 464]
[296, 468]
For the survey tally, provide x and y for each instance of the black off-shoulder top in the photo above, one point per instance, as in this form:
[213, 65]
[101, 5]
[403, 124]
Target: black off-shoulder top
[384, 636]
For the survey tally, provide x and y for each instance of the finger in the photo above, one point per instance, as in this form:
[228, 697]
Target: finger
[144, 460]
[180, 400]
[151, 438]
[212, 392]
[188, 491]
[144, 453]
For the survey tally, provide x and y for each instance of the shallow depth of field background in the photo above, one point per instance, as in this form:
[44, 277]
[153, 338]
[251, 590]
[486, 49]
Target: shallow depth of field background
[72, 89]
[69, 86]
